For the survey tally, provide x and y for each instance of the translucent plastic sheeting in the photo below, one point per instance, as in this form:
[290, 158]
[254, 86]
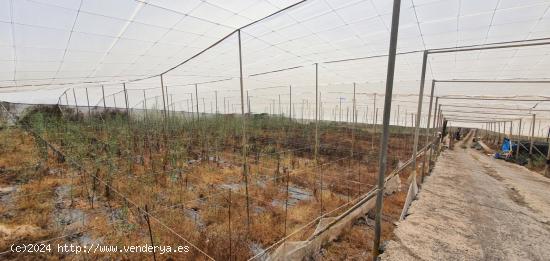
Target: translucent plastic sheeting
[96, 43]
[122, 38]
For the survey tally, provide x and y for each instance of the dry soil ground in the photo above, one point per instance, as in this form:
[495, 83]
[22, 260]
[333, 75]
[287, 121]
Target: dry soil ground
[474, 207]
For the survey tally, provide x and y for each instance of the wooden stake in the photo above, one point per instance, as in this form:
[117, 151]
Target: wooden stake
[146, 216]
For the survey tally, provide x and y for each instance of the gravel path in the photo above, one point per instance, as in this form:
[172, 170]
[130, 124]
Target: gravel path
[474, 207]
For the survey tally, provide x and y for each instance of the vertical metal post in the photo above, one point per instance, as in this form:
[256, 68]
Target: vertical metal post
[499, 131]
[366, 115]
[397, 116]
[216, 94]
[192, 106]
[320, 106]
[440, 118]
[163, 98]
[419, 115]
[316, 155]
[428, 129]
[290, 102]
[126, 100]
[172, 103]
[229, 220]
[354, 121]
[244, 139]
[280, 109]
[374, 110]
[511, 128]
[374, 120]
[248, 101]
[145, 103]
[75, 102]
[436, 115]
[519, 140]
[88, 103]
[167, 102]
[532, 139]
[103, 92]
[547, 166]
[197, 100]
[340, 108]
[385, 132]
[491, 136]
[302, 111]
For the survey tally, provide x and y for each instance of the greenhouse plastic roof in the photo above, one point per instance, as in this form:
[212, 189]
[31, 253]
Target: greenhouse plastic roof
[48, 46]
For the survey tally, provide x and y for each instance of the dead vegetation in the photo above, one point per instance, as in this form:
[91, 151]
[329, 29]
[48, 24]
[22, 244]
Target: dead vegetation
[101, 173]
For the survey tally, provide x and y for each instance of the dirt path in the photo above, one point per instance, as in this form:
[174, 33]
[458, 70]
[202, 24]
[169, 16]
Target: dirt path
[474, 207]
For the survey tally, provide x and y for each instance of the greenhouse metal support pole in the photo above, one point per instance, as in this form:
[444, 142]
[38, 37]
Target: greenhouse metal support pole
[103, 92]
[244, 139]
[419, 115]
[440, 120]
[385, 132]
[340, 109]
[279, 108]
[197, 100]
[167, 102]
[373, 111]
[88, 103]
[519, 139]
[435, 115]
[532, 138]
[353, 123]
[374, 120]
[126, 100]
[547, 166]
[428, 131]
[316, 161]
[145, 103]
[290, 102]
[511, 128]
[320, 106]
[75, 102]
[163, 98]
[248, 102]
[491, 132]
[498, 132]
[192, 105]
[216, 94]
[302, 117]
